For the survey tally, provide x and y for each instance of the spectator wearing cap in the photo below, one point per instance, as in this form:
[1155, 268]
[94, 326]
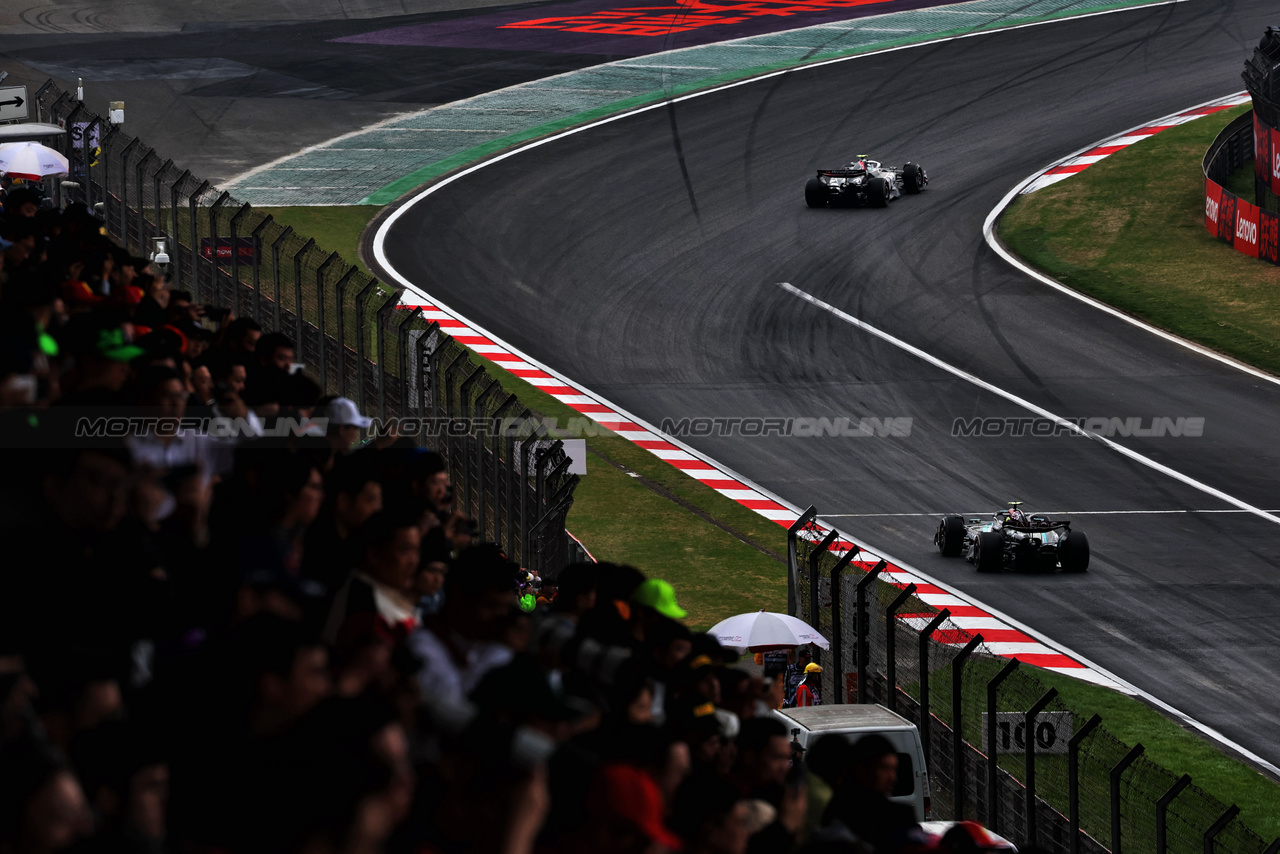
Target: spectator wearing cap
[344, 423]
[380, 591]
[21, 201]
[625, 815]
[653, 601]
[807, 691]
[102, 353]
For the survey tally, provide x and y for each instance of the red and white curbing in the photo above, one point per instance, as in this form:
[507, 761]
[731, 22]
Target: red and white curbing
[1001, 635]
[1076, 163]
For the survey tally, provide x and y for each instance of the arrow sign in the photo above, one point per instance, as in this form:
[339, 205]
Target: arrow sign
[13, 103]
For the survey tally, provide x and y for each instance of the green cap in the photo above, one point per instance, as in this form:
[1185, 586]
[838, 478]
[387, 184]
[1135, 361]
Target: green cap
[661, 597]
[112, 345]
[528, 603]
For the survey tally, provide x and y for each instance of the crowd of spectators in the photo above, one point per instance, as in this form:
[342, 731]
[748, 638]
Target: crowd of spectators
[291, 642]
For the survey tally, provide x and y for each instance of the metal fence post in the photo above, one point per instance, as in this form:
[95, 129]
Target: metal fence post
[383, 313]
[1162, 809]
[499, 430]
[405, 339]
[175, 250]
[193, 202]
[925, 636]
[493, 386]
[815, 571]
[464, 403]
[320, 337]
[1029, 736]
[993, 746]
[215, 210]
[793, 560]
[837, 627]
[1120, 768]
[275, 273]
[256, 236]
[362, 337]
[299, 324]
[142, 198]
[861, 629]
[234, 231]
[1073, 778]
[1219, 826]
[425, 365]
[341, 288]
[891, 644]
[957, 736]
[155, 188]
[124, 189]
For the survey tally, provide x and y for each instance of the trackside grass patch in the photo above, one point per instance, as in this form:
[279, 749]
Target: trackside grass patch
[1129, 230]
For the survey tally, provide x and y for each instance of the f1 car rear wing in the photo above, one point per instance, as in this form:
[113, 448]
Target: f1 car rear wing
[841, 173]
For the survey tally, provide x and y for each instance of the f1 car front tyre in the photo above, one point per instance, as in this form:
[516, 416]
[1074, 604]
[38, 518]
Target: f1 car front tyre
[913, 178]
[815, 194]
[1073, 552]
[988, 552]
[950, 537]
[878, 192]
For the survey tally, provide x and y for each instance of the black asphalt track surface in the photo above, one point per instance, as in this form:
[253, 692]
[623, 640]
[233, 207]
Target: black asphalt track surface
[641, 260]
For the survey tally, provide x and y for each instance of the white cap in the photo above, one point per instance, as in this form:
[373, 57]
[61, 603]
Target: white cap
[343, 412]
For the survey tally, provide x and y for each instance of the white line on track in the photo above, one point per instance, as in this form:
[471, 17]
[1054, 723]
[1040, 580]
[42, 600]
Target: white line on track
[1029, 406]
[985, 513]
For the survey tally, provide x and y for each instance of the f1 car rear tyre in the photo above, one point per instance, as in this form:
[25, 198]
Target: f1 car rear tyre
[1073, 552]
[988, 553]
[950, 537]
[815, 194]
[913, 178]
[878, 192]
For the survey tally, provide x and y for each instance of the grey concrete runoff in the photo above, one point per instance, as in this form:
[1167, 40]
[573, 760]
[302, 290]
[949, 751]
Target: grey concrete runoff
[356, 167]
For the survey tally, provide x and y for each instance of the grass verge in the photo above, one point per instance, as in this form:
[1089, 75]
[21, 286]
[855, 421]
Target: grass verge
[1141, 245]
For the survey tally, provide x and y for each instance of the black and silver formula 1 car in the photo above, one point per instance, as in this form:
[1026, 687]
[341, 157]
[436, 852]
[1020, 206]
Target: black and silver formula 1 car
[864, 182]
[1014, 540]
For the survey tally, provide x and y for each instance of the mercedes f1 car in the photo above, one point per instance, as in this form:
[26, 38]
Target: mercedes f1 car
[864, 182]
[1014, 540]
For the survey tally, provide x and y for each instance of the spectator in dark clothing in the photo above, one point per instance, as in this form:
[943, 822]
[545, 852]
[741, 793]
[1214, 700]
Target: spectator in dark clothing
[353, 493]
[379, 593]
[711, 816]
[861, 795]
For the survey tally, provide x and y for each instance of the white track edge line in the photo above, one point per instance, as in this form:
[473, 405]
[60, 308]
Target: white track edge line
[988, 232]
[1186, 480]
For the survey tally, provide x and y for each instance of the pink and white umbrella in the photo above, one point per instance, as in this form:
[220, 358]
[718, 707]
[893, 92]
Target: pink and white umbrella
[761, 631]
[31, 161]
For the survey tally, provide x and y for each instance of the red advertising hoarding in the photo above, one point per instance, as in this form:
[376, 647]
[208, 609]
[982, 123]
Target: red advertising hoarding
[1245, 233]
[1271, 167]
[1268, 236]
[1212, 199]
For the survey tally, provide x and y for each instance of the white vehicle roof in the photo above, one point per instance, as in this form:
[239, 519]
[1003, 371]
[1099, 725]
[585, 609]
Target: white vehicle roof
[870, 717]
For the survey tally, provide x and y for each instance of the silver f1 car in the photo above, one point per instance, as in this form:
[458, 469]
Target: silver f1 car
[864, 182]
[1014, 540]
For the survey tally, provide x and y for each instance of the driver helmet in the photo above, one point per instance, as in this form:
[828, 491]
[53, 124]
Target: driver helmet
[1016, 515]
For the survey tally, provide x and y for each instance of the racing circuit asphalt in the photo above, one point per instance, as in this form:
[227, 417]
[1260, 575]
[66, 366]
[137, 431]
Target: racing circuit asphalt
[641, 259]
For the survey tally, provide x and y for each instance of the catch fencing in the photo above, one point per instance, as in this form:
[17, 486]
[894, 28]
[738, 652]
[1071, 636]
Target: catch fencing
[1002, 747]
[513, 482]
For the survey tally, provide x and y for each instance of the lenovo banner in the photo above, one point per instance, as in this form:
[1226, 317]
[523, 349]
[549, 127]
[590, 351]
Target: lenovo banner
[1212, 198]
[1268, 237]
[1245, 236]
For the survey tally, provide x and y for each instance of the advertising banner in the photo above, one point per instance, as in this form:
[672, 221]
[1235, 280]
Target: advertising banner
[1268, 236]
[1227, 217]
[1212, 198]
[1261, 150]
[1246, 230]
[1272, 172]
[247, 248]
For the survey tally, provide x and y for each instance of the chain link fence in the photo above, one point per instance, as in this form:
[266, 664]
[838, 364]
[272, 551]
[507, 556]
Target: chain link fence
[1002, 747]
[512, 480]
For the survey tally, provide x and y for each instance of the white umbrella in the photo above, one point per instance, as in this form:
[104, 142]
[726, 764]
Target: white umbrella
[31, 161]
[761, 631]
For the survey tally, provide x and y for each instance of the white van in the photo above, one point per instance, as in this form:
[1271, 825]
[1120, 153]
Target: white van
[808, 723]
